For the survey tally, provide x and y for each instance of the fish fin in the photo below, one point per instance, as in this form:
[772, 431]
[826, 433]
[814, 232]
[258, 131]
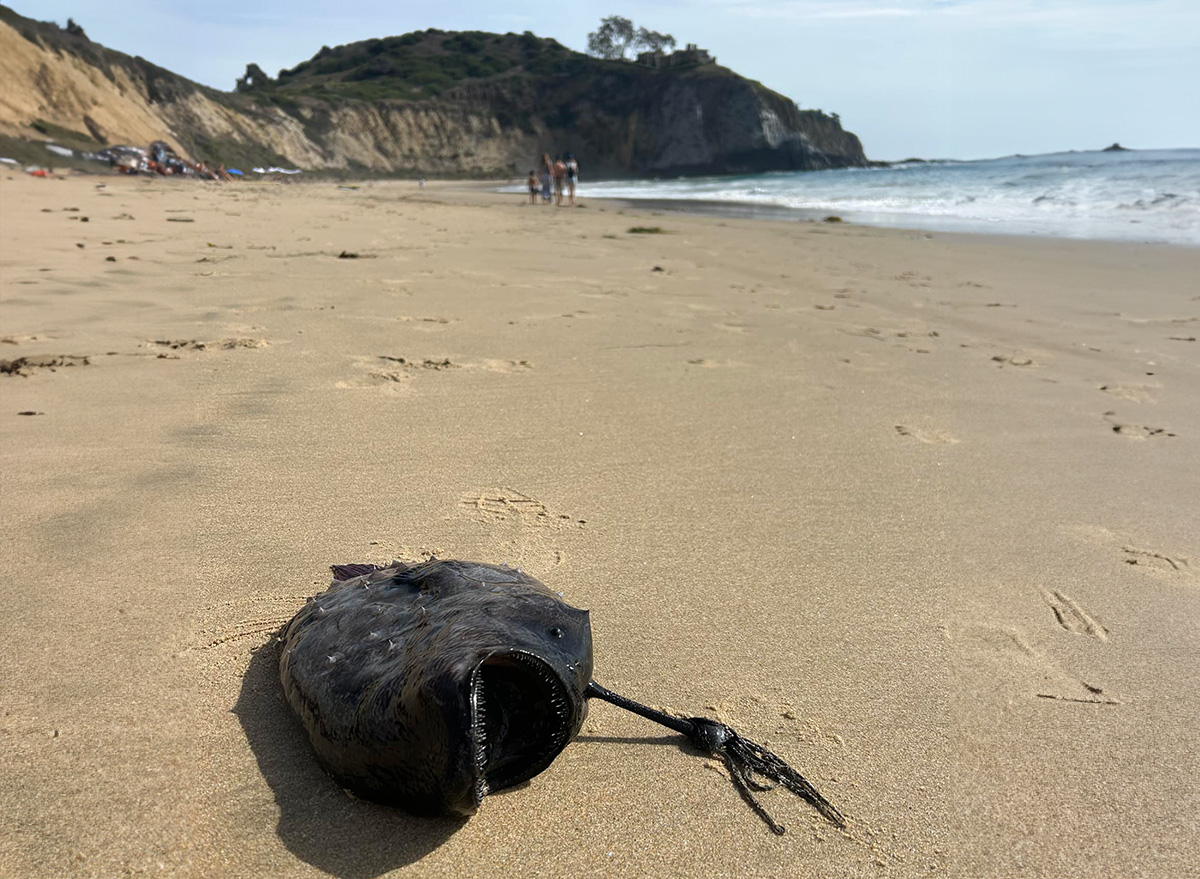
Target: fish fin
[349, 572]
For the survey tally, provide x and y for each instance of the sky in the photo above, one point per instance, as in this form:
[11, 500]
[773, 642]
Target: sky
[959, 79]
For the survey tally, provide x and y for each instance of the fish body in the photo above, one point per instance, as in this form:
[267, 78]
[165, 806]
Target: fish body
[429, 686]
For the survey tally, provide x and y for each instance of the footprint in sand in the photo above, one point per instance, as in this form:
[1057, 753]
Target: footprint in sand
[913, 279]
[389, 372]
[379, 373]
[412, 365]
[714, 364]
[508, 505]
[1074, 617]
[427, 324]
[488, 364]
[864, 332]
[26, 366]
[212, 345]
[1138, 393]
[521, 529]
[1135, 431]
[392, 372]
[1148, 559]
[505, 367]
[1012, 660]
[925, 436]
[1013, 360]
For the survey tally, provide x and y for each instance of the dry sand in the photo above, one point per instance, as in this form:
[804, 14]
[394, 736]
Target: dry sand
[921, 512]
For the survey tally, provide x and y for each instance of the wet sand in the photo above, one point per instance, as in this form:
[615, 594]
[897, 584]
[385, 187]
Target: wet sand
[918, 511]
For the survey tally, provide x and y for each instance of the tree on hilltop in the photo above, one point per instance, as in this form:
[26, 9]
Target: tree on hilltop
[616, 36]
[653, 41]
[612, 38]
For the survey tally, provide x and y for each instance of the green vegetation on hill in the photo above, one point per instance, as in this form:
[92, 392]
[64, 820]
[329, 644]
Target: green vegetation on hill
[420, 65]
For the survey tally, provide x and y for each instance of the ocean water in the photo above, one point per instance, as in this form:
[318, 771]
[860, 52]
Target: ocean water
[1139, 195]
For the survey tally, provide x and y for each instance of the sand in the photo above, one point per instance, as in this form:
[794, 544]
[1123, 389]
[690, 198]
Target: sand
[918, 511]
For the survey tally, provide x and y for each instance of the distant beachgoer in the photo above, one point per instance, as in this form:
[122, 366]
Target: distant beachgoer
[159, 151]
[547, 175]
[421, 183]
[572, 177]
[532, 183]
[560, 178]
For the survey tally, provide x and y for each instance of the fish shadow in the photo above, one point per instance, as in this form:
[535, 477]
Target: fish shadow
[318, 821]
[684, 744]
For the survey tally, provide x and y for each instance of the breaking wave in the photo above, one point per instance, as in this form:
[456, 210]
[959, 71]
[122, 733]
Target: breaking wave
[1142, 195]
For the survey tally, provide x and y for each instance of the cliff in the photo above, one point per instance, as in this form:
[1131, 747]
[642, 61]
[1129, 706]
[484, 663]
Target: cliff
[436, 103]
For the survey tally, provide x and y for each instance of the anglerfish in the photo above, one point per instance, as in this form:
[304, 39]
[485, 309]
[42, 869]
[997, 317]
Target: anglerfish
[429, 686]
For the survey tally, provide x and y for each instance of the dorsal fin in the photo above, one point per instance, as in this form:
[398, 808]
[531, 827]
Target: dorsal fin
[349, 572]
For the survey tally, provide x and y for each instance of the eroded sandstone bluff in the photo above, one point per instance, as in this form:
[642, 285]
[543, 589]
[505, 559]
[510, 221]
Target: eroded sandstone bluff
[430, 102]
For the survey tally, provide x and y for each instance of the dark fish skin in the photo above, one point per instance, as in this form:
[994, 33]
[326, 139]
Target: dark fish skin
[428, 686]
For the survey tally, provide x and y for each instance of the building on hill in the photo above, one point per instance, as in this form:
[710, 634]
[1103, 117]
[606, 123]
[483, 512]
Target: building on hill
[692, 56]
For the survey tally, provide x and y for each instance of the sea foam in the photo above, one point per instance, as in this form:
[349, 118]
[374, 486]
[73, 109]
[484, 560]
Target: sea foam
[1142, 195]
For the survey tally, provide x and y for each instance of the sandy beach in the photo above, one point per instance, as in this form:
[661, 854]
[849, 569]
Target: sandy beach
[918, 511]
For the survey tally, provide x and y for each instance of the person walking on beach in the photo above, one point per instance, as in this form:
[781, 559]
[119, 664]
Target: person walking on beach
[532, 183]
[547, 173]
[572, 177]
[560, 179]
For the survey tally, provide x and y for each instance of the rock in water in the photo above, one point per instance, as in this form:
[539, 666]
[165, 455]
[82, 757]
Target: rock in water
[429, 686]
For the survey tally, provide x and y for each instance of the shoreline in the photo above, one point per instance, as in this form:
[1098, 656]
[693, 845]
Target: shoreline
[919, 223]
[777, 213]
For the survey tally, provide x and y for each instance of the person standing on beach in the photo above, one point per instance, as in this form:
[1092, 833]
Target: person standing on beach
[572, 177]
[547, 170]
[560, 178]
[532, 183]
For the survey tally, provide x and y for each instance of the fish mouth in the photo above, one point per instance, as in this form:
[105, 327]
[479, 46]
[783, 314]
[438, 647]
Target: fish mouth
[521, 719]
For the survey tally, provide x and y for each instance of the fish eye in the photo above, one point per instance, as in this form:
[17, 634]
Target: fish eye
[556, 632]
